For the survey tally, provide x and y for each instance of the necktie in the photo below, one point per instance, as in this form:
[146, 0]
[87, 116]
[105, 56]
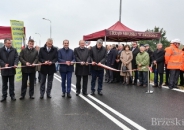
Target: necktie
[48, 49]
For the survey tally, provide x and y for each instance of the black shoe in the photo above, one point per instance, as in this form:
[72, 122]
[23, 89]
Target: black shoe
[92, 93]
[127, 84]
[21, 98]
[48, 96]
[155, 86]
[144, 86]
[69, 95]
[77, 94]
[63, 95]
[32, 97]
[139, 85]
[3, 99]
[106, 81]
[13, 98]
[165, 84]
[100, 93]
[41, 97]
[160, 86]
[85, 94]
[111, 81]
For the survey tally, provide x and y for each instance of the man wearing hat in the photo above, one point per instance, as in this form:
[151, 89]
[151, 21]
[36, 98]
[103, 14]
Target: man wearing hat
[98, 54]
[173, 59]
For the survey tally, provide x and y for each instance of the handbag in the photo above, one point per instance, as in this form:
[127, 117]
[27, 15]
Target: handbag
[124, 69]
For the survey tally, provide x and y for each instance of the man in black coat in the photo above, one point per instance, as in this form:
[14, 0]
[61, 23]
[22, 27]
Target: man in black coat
[118, 63]
[135, 50]
[158, 61]
[28, 57]
[47, 55]
[98, 54]
[82, 55]
[150, 52]
[110, 60]
[8, 58]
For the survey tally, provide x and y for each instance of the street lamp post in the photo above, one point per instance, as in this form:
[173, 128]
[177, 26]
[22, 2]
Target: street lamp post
[120, 10]
[50, 26]
[39, 39]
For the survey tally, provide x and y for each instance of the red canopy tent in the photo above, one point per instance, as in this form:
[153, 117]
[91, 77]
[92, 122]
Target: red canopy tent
[121, 33]
[5, 32]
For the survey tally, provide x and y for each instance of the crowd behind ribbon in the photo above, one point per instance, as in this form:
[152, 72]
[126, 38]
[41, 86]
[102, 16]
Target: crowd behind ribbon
[133, 63]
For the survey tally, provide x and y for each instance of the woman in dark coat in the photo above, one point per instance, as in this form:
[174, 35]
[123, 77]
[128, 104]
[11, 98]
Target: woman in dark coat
[158, 65]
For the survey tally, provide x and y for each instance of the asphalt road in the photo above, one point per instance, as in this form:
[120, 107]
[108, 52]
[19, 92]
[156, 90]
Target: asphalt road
[121, 107]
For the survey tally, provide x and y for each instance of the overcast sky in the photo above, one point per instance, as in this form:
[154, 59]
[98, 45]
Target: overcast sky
[71, 19]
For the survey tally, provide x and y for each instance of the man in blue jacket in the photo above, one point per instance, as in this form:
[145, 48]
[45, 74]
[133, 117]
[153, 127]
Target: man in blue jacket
[66, 56]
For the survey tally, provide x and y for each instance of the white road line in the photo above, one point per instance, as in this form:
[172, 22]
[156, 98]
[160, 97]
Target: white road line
[178, 90]
[114, 111]
[100, 110]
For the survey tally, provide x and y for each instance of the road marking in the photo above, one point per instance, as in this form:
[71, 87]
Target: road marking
[117, 122]
[113, 111]
[166, 87]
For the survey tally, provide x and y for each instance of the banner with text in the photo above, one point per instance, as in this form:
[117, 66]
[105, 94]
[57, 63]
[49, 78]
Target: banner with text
[17, 30]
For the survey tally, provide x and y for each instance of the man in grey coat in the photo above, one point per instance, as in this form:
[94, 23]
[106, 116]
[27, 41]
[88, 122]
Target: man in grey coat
[82, 55]
[28, 57]
[8, 58]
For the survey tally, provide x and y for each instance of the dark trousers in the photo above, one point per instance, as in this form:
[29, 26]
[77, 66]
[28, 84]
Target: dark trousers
[24, 83]
[167, 75]
[49, 78]
[109, 75]
[95, 74]
[143, 77]
[84, 84]
[5, 80]
[173, 81]
[66, 76]
[181, 78]
[156, 78]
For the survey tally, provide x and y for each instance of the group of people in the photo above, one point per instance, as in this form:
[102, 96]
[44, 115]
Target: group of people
[129, 60]
[139, 60]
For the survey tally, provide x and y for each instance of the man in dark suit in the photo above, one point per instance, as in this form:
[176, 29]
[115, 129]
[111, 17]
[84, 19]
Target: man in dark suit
[110, 60]
[135, 50]
[118, 63]
[28, 57]
[48, 56]
[158, 61]
[82, 55]
[8, 58]
[150, 52]
[98, 53]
